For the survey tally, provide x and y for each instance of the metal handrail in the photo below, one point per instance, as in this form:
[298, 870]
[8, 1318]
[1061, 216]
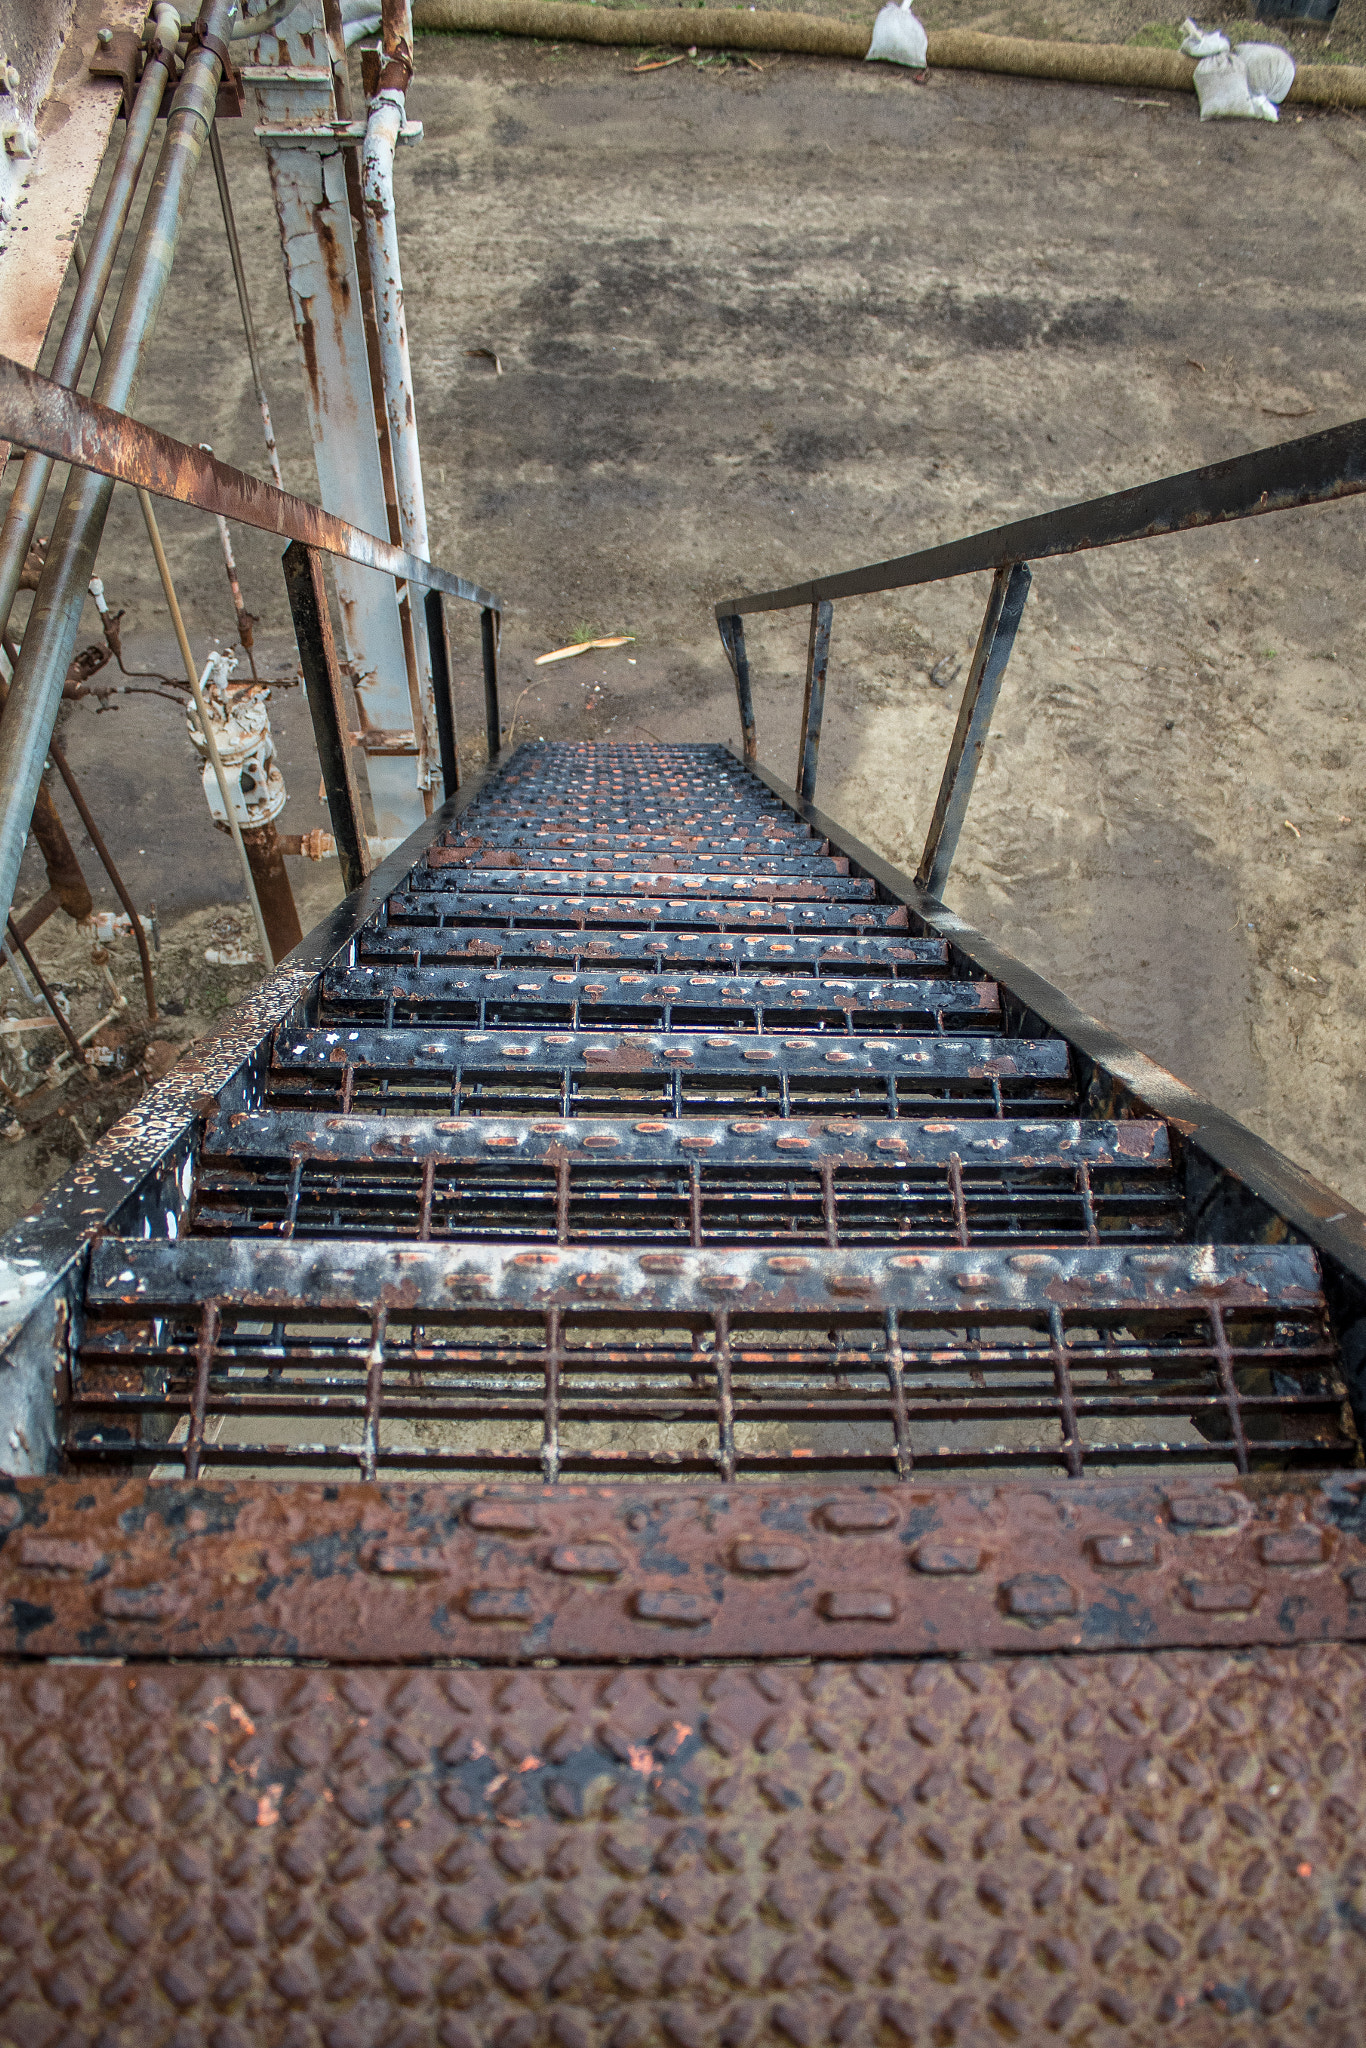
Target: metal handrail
[38, 414]
[44, 417]
[1314, 470]
[1311, 471]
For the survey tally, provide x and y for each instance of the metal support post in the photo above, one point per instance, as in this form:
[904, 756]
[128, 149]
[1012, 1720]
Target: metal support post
[488, 626]
[1009, 590]
[813, 704]
[442, 691]
[322, 681]
[21, 514]
[55, 619]
[311, 202]
[733, 640]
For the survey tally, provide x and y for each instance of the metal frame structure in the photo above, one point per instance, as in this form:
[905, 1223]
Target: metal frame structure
[60, 425]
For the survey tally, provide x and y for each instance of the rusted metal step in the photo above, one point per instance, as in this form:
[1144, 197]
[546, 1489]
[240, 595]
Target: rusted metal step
[492, 838]
[603, 1180]
[678, 1073]
[796, 885]
[518, 907]
[412, 938]
[881, 1360]
[686, 862]
[649, 1001]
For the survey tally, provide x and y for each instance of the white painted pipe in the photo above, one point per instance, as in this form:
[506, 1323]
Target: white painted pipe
[385, 118]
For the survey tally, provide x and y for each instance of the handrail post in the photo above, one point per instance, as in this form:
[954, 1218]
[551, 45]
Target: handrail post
[443, 695]
[1009, 589]
[488, 626]
[323, 686]
[733, 640]
[813, 704]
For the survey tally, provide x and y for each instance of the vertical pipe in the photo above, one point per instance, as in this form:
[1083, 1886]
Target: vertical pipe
[385, 117]
[813, 707]
[73, 790]
[220, 171]
[488, 628]
[322, 682]
[1009, 589]
[442, 692]
[279, 912]
[21, 514]
[55, 619]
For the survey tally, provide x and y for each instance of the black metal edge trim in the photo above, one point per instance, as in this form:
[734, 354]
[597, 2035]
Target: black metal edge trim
[134, 1169]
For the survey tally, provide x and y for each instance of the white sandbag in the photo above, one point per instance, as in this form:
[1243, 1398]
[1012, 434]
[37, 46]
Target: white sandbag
[898, 38]
[1202, 42]
[1270, 69]
[1222, 90]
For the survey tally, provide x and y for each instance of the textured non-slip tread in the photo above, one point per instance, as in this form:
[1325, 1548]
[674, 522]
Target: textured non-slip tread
[1114, 1849]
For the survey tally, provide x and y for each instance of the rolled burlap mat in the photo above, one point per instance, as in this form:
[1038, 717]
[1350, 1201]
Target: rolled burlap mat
[814, 35]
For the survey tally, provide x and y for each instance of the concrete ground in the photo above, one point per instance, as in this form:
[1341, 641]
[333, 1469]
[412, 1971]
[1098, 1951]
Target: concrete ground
[755, 324]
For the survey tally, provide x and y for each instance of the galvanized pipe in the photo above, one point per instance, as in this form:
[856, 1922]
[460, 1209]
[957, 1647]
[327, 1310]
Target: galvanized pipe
[55, 619]
[21, 514]
[385, 117]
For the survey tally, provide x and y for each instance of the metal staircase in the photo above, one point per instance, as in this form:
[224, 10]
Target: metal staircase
[549, 1181]
[660, 1447]
[813, 1513]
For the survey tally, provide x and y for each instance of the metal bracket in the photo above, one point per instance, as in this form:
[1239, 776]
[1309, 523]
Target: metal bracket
[118, 57]
[327, 134]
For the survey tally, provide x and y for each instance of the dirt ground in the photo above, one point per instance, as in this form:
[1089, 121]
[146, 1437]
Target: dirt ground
[755, 324]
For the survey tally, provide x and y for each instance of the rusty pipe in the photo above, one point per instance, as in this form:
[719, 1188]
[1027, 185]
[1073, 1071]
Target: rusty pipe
[66, 883]
[266, 853]
[106, 859]
[62, 1020]
[57, 756]
[54, 621]
[21, 515]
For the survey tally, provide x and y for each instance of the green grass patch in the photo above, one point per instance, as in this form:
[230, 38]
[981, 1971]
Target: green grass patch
[1156, 35]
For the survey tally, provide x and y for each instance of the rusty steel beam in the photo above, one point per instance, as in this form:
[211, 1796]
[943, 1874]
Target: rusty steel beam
[323, 688]
[62, 424]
